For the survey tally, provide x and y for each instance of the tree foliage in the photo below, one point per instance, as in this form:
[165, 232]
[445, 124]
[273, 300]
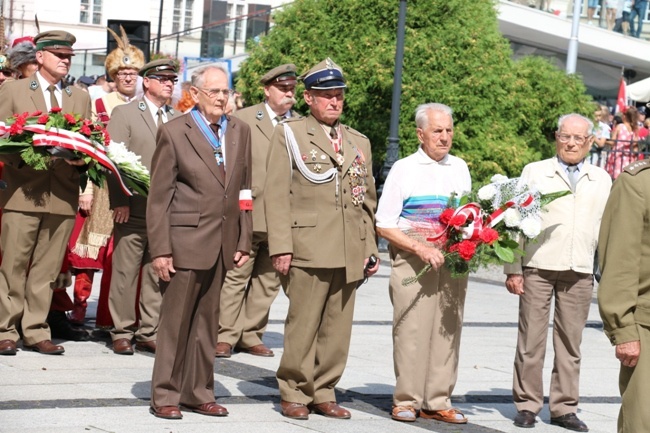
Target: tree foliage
[504, 111]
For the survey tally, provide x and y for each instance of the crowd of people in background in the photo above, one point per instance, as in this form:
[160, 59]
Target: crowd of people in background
[621, 16]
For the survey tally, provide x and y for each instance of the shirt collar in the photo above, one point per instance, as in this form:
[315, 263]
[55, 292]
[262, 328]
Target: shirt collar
[45, 84]
[564, 165]
[426, 159]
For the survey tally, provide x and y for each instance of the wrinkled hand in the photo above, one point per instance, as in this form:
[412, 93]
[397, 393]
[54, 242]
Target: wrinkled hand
[371, 271]
[86, 203]
[432, 256]
[121, 214]
[628, 353]
[240, 258]
[282, 262]
[163, 266]
[515, 284]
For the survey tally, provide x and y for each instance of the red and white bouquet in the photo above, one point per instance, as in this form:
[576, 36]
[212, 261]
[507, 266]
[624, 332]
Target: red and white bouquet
[39, 136]
[484, 227]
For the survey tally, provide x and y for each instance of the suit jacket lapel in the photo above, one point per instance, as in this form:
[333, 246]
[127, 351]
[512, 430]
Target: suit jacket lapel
[230, 143]
[67, 99]
[204, 149]
[147, 116]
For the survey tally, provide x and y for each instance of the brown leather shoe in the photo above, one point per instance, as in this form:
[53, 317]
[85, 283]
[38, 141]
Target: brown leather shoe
[223, 350]
[146, 346]
[7, 347]
[525, 419]
[167, 412]
[330, 409]
[452, 415]
[294, 410]
[46, 347]
[258, 350]
[209, 409]
[570, 421]
[122, 346]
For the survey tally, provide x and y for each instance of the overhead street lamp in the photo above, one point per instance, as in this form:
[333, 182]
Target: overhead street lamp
[572, 54]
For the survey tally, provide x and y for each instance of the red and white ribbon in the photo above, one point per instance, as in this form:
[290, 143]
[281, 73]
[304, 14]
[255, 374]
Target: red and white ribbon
[72, 141]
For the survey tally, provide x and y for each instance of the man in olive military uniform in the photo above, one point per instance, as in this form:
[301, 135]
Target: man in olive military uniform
[136, 124]
[624, 290]
[39, 206]
[320, 202]
[249, 291]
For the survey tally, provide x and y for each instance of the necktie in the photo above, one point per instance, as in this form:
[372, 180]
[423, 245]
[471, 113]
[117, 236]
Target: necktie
[54, 103]
[572, 171]
[278, 119]
[335, 142]
[159, 117]
[218, 153]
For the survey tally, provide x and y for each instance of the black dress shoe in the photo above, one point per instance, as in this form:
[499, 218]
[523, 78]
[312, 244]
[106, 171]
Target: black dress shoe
[570, 422]
[60, 328]
[525, 419]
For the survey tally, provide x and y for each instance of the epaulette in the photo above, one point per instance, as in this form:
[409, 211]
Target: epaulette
[354, 131]
[637, 167]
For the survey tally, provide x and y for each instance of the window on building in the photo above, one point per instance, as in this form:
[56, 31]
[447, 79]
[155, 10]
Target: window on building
[189, 5]
[176, 22]
[90, 12]
[228, 27]
[240, 22]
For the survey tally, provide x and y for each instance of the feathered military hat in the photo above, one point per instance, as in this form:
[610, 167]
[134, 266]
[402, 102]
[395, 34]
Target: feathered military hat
[125, 56]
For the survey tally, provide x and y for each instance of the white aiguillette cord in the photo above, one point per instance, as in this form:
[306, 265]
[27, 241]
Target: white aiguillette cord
[294, 155]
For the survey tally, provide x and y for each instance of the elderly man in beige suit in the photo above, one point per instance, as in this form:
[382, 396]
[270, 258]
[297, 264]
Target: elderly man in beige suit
[249, 291]
[38, 205]
[320, 204]
[558, 265]
[199, 225]
[136, 125]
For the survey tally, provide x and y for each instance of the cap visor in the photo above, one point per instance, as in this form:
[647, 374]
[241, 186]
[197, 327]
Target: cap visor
[68, 51]
[331, 84]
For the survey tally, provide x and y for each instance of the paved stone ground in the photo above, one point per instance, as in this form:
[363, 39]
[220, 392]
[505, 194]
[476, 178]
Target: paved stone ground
[89, 389]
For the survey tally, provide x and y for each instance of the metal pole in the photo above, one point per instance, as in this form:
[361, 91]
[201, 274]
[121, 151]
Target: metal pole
[392, 149]
[159, 26]
[178, 39]
[572, 54]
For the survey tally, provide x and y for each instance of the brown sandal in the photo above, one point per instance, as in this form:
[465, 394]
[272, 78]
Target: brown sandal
[447, 415]
[403, 413]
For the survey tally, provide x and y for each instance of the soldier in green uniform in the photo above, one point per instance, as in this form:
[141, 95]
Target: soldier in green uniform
[624, 291]
[320, 202]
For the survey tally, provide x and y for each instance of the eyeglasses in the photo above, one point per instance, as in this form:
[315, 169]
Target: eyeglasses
[163, 79]
[579, 139]
[213, 93]
[125, 75]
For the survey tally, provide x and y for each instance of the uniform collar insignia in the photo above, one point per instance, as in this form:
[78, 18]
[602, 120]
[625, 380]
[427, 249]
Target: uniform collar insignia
[33, 85]
[142, 106]
[170, 110]
[68, 91]
[259, 115]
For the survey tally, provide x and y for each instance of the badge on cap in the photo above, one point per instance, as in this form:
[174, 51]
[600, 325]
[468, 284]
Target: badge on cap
[329, 64]
[142, 106]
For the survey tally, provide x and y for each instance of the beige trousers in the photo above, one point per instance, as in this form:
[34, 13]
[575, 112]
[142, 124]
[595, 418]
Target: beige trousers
[316, 334]
[572, 293]
[26, 291]
[246, 297]
[427, 325]
[130, 253]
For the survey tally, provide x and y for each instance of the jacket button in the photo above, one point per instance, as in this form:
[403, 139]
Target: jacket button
[345, 206]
